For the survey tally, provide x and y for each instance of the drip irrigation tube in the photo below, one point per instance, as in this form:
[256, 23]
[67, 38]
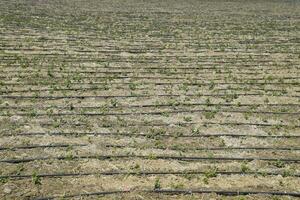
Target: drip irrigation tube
[183, 158]
[153, 83]
[144, 173]
[149, 135]
[132, 96]
[154, 113]
[174, 192]
[185, 124]
[41, 146]
[153, 147]
[153, 105]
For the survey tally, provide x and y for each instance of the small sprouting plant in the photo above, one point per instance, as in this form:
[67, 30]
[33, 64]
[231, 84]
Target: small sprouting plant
[266, 100]
[244, 167]
[3, 180]
[212, 85]
[132, 86]
[208, 101]
[114, 102]
[212, 172]
[187, 118]
[210, 115]
[157, 184]
[36, 180]
[195, 131]
[279, 164]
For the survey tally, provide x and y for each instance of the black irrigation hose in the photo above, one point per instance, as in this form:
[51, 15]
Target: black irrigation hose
[146, 70]
[136, 72]
[248, 88]
[148, 135]
[211, 148]
[231, 63]
[115, 51]
[141, 89]
[184, 124]
[84, 194]
[151, 78]
[153, 147]
[227, 193]
[146, 173]
[130, 96]
[154, 113]
[155, 83]
[153, 105]
[27, 72]
[39, 39]
[181, 124]
[92, 57]
[89, 69]
[250, 124]
[153, 59]
[125, 96]
[40, 146]
[139, 70]
[182, 158]
[176, 192]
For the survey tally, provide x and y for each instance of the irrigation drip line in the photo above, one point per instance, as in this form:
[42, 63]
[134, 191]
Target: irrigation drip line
[153, 113]
[228, 193]
[134, 49]
[19, 67]
[251, 124]
[114, 96]
[139, 70]
[225, 123]
[247, 88]
[153, 83]
[149, 135]
[210, 148]
[150, 60]
[39, 38]
[149, 78]
[134, 96]
[176, 53]
[152, 105]
[186, 75]
[184, 124]
[79, 57]
[183, 158]
[144, 173]
[115, 52]
[128, 49]
[70, 73]
[84, 194]
[13, 148]
[207, 65]
[176, 192]
[141, 89]
[40, 146]
[87, 69]
[205, 59]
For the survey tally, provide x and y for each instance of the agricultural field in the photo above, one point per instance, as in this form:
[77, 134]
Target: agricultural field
[136, 99]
